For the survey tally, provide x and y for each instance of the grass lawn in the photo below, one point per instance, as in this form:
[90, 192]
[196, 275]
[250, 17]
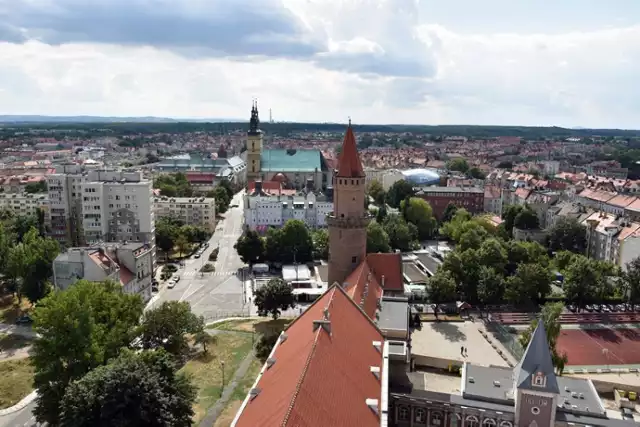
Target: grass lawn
[10, 310]
[17, 381]
[10, 342]
[206, 370]
[260, 325]
[239, 394]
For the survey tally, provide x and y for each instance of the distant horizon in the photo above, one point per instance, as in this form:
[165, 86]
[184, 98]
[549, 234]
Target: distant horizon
[88, 118]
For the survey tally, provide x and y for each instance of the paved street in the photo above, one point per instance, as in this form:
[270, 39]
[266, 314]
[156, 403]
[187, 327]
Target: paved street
[217, 294]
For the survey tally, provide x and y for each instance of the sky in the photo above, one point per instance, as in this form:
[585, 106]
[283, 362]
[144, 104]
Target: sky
[490, 62]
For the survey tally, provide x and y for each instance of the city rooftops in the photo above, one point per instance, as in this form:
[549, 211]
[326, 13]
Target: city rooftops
[292, 160]
[436, 189]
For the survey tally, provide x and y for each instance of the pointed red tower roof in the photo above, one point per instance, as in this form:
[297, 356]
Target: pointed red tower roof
[349, 165]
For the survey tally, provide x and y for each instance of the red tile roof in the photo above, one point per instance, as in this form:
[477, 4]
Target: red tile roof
[320, 378]
[349, 164]
[368, 275]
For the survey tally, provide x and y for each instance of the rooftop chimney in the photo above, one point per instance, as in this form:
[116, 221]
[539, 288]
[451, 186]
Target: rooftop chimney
[324, 324]
[258, 186]
[373, 405]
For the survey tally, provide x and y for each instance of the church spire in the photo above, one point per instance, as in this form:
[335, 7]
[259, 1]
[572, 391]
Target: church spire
[254, 123]
[349, 165]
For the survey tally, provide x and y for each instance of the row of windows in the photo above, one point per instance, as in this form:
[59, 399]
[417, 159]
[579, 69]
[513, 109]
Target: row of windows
[350, 181]
[455, 420]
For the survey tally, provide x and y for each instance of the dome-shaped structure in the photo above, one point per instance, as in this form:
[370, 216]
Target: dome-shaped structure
[422, 176]
[280, 177]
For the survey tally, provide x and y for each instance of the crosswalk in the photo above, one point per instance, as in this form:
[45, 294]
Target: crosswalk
[194, 273]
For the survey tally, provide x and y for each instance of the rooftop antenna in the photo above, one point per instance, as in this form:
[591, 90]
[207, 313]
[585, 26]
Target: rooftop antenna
[349, 121]
[270, 116]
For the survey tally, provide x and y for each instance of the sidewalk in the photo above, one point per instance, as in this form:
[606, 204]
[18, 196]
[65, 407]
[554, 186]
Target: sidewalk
[18, 406]
[15, 354]
[23, 331]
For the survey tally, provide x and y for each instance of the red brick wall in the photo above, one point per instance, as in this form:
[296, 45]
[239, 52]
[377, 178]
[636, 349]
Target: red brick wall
[473, 202]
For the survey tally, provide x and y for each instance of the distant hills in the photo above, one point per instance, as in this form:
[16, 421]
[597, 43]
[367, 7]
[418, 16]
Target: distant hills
[103, 119]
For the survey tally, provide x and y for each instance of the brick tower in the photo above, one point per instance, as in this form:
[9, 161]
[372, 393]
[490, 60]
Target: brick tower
[349, 219]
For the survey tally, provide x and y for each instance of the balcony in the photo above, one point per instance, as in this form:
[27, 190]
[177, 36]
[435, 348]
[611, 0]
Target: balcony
[348, 222]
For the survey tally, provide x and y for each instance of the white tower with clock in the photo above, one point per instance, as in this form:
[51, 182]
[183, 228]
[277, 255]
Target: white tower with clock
[535, 386]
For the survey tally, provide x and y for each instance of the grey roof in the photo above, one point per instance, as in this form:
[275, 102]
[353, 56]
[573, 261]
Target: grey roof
[394, 314]
[537, 359]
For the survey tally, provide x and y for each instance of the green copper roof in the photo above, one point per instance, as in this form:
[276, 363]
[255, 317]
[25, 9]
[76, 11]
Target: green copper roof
[291, 160]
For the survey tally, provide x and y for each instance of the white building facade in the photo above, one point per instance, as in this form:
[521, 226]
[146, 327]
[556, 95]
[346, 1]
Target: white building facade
[24, 204]
[90, 207]
[262, 211]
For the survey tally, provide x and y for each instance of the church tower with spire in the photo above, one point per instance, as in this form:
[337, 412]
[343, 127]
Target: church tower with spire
[254, 145]
[349, 219]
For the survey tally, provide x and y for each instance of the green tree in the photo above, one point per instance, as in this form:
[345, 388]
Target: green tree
[399, 191]
[459, 165]
[490, 286]
[418, 212]
[227, 188]
[377, 238]
[400, 234]
[563, 259]
[274, 249]
[441, 288]
[320, 240]
[493, 254]
[166, 234]
[581, 281]
[250, 247]
[458, 224]
[222, 199]
[79, 329]
[183, 245]
[550, 318]
[133, 390]
[167, 326]
[530, 283]
[527, 219]
[22, 224]
[272, 298]
[36, 187]
[296, 243]
[40, 253]
[509, 214]
[449, 212]
[381, 214]
[630, 282]
[475, 173]
[376, 192]
[472, 239]
[567, 234]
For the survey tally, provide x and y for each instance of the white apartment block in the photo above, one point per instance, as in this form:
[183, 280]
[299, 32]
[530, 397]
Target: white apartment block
[129, 264]
[24, 204]
[612, 238]
[89, 207]
[262, 211]
[386, 177]
[197, 211]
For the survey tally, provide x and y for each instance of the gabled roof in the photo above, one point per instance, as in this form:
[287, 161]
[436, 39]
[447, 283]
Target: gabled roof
[320, 376]
[349, 164]
[365, 283]
[537, 360]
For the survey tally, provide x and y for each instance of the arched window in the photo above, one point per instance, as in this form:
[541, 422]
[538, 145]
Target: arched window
[420, 415]
[488, 422]
[454, 420]
[436, 418]
[403, 413]
[471, 421]
[506, 424]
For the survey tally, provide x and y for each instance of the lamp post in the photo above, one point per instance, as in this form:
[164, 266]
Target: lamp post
[222, 369]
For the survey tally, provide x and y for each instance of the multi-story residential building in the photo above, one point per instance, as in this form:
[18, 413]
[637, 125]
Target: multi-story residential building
[204, 172]
[386, 177]
[197, 211]
[100, 206]
[472, 199]
[493, 200]
[263, 210]
[24, 204]
[129, 264]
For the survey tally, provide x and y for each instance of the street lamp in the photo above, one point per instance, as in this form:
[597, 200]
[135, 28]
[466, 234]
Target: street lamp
[222, 369]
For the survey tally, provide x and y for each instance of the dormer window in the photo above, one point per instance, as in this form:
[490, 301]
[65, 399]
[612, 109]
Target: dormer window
[539, 380]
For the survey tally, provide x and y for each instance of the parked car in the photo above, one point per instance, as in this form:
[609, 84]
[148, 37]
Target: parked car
[24, 320]
[171, 284]
[197, 255]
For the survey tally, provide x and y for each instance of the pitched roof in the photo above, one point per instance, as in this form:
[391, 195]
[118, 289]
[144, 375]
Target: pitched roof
[291, 160]
[320, 377]
[365, 283]
[537, 360]
[349, 164]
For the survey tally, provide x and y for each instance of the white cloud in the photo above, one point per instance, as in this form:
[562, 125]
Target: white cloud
[378, 61]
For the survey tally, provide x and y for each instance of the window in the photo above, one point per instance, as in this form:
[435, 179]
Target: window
[454, 420]
[535, 410]
[420, 415]
[403, 413]
[353, 260]
[488, 422]
[506, 424]
[471, 421]
[436, 419]
[539, 380]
